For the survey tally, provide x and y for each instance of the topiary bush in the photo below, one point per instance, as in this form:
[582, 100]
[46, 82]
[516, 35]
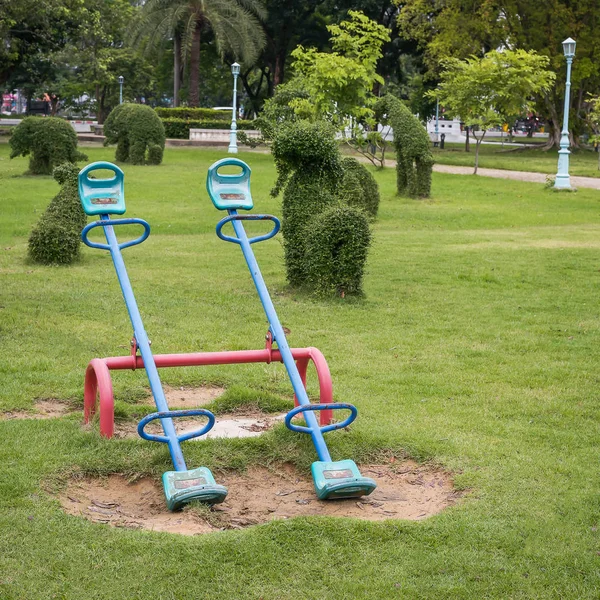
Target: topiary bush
[49, 140]
[336, 246]
[325, 243]
[358, 187]
[414, 160]
[56, 237]
[138, 132]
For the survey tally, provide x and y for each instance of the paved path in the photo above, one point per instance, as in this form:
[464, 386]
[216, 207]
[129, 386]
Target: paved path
[578, 182]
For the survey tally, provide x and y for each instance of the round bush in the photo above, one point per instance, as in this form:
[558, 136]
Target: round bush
[138, 132]
[49, 140]
[358, 187]
[56, 237]
[337, 243]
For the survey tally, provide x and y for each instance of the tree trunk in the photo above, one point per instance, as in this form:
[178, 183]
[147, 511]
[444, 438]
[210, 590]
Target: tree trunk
[53, 105]
[467, 141]
[278, 73]
[176, 69]
[553, 124]
[194, 97]
[477, 144]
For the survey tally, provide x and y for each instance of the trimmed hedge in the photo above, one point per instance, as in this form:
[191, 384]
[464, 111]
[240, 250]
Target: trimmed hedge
[56, 237]
[194, 114]
[358, 187]
[414, 159]
[50, 141]
[325, 224]
[179, 129]
[138, 132]
[337, 243]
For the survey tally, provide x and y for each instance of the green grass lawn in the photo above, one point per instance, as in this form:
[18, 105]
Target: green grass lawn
[475, 348]
[493, 156]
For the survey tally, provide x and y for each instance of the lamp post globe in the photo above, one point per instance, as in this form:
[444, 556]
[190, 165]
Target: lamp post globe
[235, 71]
[563, 180]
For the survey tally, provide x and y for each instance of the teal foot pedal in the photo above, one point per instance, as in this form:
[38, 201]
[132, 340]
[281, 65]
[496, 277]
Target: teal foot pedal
[340, 479]
[182, 487]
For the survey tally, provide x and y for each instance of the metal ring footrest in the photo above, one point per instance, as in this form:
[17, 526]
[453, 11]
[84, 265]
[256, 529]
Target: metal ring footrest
[309, 407]
[169, 414]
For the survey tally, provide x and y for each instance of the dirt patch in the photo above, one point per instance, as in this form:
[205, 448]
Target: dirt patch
[405, 491]
[238, 425]
[181, 397]
[44, 409]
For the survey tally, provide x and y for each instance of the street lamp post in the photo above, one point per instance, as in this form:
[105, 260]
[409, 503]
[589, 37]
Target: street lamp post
[563, 180]
[121, 80]
[437, 122]
[235, 70]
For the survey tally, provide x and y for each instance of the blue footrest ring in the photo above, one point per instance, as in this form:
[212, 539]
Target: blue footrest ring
[306, 407]
[169, 414]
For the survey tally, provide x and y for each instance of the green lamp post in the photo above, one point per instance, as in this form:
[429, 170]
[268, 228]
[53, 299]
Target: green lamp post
[235, 71]
[563, 180]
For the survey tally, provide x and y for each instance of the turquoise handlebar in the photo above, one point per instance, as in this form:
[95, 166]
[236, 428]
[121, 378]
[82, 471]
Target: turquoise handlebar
[259, 238]
[105, 222]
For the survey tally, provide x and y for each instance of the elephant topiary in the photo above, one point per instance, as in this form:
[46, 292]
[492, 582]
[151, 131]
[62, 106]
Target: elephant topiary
[50, 141]
[56, 237]
[138, 132]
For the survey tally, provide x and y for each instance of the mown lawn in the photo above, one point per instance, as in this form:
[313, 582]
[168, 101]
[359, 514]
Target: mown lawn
[494, 156]
[475, 347]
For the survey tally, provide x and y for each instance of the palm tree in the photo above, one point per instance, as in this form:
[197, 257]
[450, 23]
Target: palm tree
[236, 25]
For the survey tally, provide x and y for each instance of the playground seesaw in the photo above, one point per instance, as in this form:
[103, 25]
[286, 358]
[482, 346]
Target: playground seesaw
[105, 197]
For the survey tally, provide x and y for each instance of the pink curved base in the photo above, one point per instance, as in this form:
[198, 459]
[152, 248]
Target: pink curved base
[98, 381]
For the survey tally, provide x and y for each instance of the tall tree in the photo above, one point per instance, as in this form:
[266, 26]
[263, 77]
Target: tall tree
[485, 92]
[461, 28]
[234, 23]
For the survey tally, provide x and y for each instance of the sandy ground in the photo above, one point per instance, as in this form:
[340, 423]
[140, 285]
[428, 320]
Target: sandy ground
[405, 491]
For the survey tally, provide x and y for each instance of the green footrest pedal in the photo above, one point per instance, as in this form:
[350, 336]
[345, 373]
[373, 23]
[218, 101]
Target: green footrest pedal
[183, 487]
[340, 479]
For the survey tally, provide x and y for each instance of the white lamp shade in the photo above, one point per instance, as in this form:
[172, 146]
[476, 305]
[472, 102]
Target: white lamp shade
[569, 47]
[235, 68]
[121, 79]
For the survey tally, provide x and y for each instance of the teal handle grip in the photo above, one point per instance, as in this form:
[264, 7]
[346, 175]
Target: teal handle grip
[229, 191]
[102, 196]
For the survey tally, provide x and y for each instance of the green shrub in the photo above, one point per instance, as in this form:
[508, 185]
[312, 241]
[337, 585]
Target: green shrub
[194, 114]
[303, 198]
[56, 237]
[179, 129]
[49, 140]
[414, 160]
[138, 132]
[325, 238]
[358, 187]
[337, 243]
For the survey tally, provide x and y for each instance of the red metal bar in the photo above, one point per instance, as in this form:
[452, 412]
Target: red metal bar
[97, 377]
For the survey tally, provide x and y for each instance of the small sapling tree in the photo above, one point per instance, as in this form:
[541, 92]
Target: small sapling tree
[593, 121]
[486, 92]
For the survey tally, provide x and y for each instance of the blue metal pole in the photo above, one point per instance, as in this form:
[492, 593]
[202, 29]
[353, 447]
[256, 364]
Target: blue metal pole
[563, 179]
[279, 337]
[144, 345]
